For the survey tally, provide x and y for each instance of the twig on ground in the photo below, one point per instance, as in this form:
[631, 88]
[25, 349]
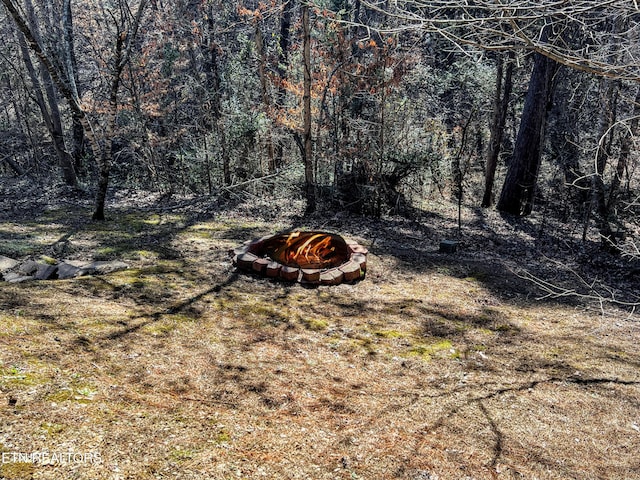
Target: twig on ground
[591, 291]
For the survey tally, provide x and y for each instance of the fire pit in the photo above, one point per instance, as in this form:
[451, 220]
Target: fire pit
[307, 257]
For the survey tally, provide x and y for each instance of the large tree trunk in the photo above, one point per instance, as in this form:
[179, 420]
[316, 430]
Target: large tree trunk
[520, 184]
[310, 190]
[500, 109]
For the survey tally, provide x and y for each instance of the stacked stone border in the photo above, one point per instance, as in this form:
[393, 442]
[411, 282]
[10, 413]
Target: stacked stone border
[353, 269]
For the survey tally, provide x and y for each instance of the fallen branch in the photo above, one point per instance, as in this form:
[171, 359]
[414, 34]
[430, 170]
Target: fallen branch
[590, 291]
[14, 166]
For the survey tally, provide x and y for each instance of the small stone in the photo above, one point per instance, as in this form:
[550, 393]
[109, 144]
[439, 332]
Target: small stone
[7, 263]
[245, 261]
[311, 275]
[357, 248]
[331, 277]
[351, 270]
[239, 250]
[361, 258]
[273, 269]
[100, 268]
[17, 278]
[9, 276]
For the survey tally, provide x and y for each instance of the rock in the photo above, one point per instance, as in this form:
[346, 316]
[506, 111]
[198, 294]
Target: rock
[100, 268]
[331, 277]
[245, 261]
[239, 250]
[110, 267]
[13, 277]
[7, 263]
[289, 273]
[28, 268]
[46, 272]
[260, 265]
[10, 276]
[357, 248]
[311, 275]
[66, 270]
[273, 269]
[361, 259]
[351, 270]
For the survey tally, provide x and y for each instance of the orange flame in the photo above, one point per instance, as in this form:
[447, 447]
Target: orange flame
[307, 249]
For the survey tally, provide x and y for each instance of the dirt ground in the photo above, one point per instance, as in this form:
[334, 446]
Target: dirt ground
[435, 366]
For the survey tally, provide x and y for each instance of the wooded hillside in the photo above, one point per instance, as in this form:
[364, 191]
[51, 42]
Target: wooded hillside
[374, 107]
[165, 165]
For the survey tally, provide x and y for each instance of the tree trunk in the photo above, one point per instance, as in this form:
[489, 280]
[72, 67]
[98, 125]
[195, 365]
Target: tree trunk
[500, 109]
[308, 147]
[71, 67]
[126, 32]
[520, 184]
[626, 146]
[283, 62]
[264, 90]
[51, 119]
[105, 157]
[49, 108]
[598, 188]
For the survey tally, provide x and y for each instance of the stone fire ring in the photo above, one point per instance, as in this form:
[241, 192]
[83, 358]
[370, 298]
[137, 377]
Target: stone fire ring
[317, 258]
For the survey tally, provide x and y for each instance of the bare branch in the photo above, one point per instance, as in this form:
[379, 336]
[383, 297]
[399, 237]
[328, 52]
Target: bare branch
[517, 25]
[587, 290]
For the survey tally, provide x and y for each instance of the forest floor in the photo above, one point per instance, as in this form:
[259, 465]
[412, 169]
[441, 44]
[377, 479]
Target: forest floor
[435, 366]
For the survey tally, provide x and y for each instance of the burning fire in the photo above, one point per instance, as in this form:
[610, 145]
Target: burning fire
[307, 249]
[318, 258]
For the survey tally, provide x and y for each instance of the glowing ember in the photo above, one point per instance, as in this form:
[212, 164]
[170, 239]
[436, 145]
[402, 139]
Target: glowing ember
[310, 257]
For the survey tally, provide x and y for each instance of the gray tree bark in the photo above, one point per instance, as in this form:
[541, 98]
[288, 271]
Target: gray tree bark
[519, 187]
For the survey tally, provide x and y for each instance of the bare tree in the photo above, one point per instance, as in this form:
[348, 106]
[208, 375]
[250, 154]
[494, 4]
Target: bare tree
[41, 82]
[504, 84]
[126, 24]
[517, 25]
[307, 141]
